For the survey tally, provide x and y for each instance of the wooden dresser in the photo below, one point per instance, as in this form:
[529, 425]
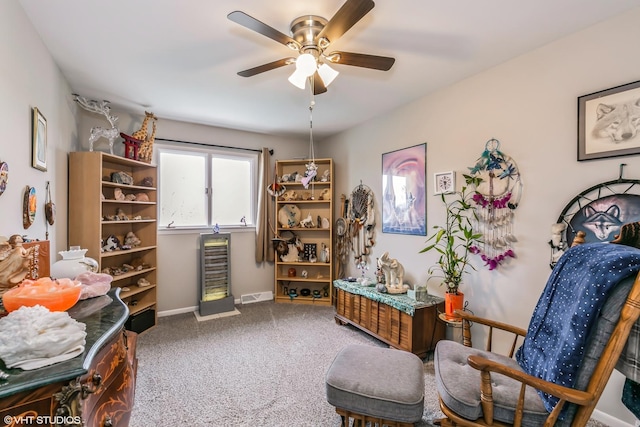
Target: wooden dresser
[396, 320]
[95, 389]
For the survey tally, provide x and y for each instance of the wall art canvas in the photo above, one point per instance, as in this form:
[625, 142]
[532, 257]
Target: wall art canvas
[403, 190]
[39, 141]
[609, 123]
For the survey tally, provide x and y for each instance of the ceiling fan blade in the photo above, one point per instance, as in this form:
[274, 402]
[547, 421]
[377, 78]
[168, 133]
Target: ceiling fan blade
[262, 28]
[383, 63]
[350, 13]
[318, 84]
[266, 67]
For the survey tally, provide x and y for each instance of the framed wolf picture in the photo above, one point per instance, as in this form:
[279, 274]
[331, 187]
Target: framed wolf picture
[609, 122]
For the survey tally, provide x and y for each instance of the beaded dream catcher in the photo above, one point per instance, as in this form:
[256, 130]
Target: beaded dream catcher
[497, 194]
[361, 223]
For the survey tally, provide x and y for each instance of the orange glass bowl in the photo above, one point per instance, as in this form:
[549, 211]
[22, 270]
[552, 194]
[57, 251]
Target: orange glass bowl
[56, 295]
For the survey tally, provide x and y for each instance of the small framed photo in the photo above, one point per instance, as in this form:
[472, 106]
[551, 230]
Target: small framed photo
[609, 122]
[444, 182]
[39, 141]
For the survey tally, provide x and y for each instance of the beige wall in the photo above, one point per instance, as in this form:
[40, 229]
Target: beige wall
[29, 78]
[530, 105]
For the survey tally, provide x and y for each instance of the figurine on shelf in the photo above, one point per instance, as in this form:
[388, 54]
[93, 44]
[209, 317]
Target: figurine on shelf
[131, 146]
[121, 216]
[307, 222]
[145, 152]
[121, 178]
[393, 271]
[97, 132]
[147, 181]
[325, 194]
[111, 244]
[132, 240]
[118, 194]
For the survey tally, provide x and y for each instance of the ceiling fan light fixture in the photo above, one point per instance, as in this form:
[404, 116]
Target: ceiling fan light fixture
[323, 43]
[333, 57]
[327, 74]
[306, 64]
[298, 79]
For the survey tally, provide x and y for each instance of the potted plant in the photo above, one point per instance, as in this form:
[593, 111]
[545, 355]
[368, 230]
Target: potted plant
[455, 242]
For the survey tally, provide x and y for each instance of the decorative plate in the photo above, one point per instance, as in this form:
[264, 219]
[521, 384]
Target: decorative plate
[4, 176]
[341, 226]
[289, 216]
[29, 207]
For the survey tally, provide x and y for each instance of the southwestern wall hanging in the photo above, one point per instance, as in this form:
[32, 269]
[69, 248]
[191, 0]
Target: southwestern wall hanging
[596, 214]
[361, 225]
[403, 189]
[497, 195]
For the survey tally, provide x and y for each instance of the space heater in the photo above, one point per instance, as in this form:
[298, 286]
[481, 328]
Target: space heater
[215, 274]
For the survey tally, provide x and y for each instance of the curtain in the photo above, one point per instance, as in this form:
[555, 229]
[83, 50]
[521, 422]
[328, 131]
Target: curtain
[266, 207]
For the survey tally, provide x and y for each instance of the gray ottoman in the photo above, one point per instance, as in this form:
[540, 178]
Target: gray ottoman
[376, 385]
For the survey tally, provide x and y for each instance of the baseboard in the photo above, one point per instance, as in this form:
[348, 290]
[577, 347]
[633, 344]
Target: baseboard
[177, 311]
[609, 420]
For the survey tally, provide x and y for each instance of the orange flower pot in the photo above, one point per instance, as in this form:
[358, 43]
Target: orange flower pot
[453, 302]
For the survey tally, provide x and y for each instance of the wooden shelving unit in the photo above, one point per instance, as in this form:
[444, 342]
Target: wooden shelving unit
[319, 275]
[92, 202]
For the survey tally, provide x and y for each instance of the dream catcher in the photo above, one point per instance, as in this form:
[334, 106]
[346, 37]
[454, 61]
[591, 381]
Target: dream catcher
[342, 237]
[497, 194]
[596, 215]
[276, 189]
[362, 223]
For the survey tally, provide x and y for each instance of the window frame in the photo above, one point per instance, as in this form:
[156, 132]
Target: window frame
[209, 153]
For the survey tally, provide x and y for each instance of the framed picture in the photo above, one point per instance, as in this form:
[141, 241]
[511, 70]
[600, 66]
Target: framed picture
[444, 182]
[609, 123]
[39, 141]
[403, 188]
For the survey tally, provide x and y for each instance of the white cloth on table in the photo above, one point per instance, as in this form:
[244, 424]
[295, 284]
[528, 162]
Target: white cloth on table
[33, 337]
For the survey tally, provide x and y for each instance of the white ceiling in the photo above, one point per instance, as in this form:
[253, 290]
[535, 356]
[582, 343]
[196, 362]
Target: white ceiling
[179, 58]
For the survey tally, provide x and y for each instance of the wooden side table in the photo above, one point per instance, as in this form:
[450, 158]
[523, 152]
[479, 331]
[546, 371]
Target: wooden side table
[396, 320]
[461, 332]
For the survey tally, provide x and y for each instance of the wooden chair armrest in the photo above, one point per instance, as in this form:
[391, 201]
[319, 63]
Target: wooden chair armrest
[468, 318]
[564, 393]
[465, 315]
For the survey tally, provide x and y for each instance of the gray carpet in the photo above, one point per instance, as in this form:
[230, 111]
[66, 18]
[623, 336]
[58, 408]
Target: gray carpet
[264, 367]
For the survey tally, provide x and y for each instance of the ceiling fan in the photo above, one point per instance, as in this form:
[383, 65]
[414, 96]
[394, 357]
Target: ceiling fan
[310, 36]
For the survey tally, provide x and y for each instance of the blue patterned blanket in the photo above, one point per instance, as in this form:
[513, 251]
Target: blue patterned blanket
[568, 308]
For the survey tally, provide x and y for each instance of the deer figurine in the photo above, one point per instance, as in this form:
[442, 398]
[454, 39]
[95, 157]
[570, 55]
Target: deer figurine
[97, 132]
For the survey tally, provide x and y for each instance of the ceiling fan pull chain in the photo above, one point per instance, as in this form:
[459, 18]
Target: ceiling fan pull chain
[311, 166]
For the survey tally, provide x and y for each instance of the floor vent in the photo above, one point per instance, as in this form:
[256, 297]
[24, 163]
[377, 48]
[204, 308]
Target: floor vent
[260, 296]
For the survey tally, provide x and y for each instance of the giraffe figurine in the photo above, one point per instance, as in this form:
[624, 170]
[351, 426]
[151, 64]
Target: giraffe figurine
[141, 134]
[145, 153]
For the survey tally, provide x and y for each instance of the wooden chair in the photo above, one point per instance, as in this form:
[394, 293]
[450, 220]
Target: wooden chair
[481, 388]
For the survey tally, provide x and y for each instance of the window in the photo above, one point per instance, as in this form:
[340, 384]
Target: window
[202, 187]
